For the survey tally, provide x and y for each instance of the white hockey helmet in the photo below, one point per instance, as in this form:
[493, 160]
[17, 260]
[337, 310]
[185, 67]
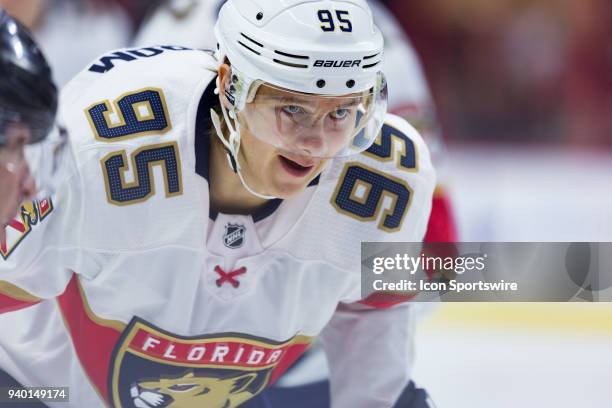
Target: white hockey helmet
[328, 47]
[298, 65]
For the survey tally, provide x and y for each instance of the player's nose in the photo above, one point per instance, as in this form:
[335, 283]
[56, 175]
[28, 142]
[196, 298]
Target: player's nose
[313, 142]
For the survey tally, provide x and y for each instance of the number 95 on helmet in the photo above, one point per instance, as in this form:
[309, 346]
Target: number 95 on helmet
[305, 75]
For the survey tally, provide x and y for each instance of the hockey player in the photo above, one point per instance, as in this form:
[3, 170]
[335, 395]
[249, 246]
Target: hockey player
[28, 101]
[208, 238]
[191, 23]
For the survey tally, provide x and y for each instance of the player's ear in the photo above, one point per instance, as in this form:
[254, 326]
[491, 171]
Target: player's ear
[224, 76]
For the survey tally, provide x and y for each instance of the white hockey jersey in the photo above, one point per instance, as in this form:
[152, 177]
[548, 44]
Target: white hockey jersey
[170, 304]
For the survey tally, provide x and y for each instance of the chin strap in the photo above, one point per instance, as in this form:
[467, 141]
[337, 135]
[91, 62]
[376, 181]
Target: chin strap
[233, 145]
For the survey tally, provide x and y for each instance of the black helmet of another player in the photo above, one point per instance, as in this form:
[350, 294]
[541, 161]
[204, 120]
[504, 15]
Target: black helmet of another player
[27, 92]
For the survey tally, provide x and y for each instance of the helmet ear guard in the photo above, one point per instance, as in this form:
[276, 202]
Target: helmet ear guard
[239, 89]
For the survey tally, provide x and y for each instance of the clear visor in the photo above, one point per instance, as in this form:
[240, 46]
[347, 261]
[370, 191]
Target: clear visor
[45, 160]
[26, 149]
[38, 125]
[315, 125]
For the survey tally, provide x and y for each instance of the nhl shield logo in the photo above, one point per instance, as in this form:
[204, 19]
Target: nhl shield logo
[234, 235]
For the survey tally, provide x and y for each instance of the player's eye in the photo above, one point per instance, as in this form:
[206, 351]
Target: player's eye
[293, 109]
[340, 114]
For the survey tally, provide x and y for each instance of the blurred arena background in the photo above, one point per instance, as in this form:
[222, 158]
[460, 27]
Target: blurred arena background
[523, 95]
[523, 90]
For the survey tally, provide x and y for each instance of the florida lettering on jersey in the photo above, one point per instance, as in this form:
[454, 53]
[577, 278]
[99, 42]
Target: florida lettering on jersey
[220, 370]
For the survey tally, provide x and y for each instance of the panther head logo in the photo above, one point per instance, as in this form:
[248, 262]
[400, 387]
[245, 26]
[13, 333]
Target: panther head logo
[192, 391]
[29, 213]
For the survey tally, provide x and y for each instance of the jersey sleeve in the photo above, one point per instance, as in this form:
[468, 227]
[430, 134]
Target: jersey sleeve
[384, 195]
[370, 353]
[40, 248]
[128, 183]
[369, 344]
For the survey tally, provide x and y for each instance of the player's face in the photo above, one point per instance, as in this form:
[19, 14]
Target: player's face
[286, 137]
[275, 172]
[302, 124]
[16, 183]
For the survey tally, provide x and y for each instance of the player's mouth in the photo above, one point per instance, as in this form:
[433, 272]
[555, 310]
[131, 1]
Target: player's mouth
[297, 167]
